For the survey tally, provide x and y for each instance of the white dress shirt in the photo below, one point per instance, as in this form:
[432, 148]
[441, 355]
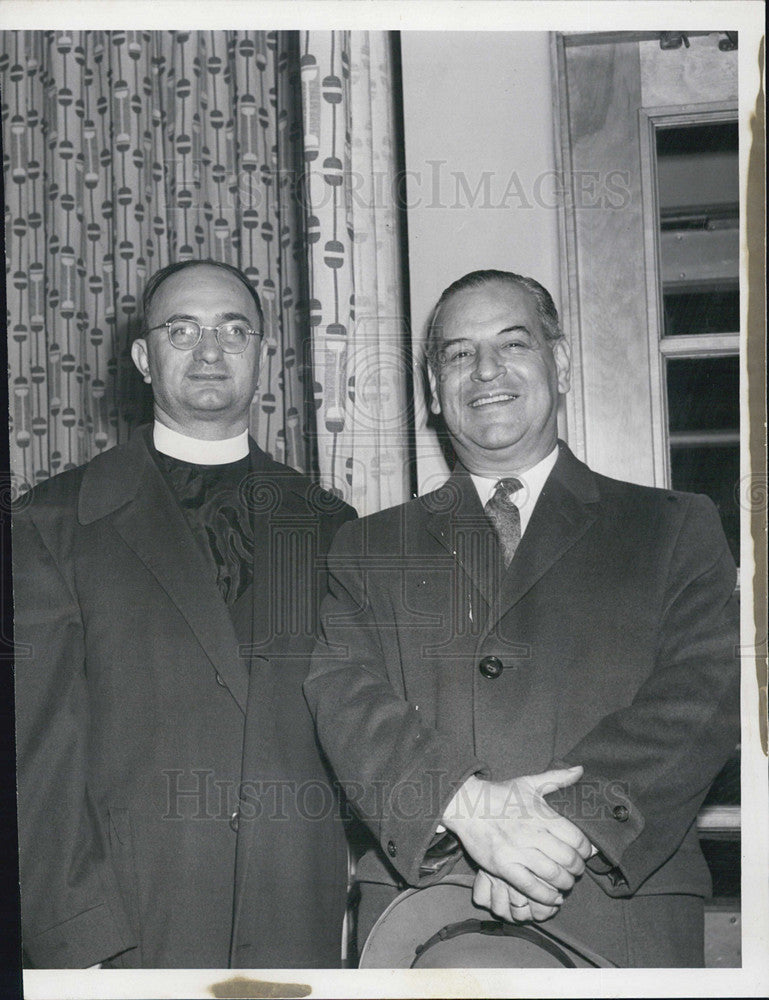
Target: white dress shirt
[531, 481]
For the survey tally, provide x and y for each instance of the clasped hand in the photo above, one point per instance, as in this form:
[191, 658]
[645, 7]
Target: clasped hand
[527, 853]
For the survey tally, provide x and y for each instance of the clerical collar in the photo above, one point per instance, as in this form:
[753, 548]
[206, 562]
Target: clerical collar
[196, 450]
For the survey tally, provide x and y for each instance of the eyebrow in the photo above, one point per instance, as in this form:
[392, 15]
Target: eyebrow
[225, 317]
[516, 328]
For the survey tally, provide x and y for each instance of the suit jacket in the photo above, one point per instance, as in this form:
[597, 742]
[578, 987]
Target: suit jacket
[149, 754]
[616, 630]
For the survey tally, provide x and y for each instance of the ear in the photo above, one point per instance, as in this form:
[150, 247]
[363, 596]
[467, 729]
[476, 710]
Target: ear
[562, 356]
[435, 399]
[262, 358]
[141, 359]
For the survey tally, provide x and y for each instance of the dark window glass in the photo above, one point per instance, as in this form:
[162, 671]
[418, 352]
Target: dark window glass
[703, 394]
[693, 312]
[723, 858]
[703, 412]
[683, 140]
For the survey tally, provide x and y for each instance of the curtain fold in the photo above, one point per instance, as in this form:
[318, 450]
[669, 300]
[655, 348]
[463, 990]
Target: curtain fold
[272, 151]
[356, 307]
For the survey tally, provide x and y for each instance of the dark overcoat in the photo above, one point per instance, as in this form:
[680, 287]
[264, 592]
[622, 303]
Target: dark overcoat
[610, 642]
[169, 777]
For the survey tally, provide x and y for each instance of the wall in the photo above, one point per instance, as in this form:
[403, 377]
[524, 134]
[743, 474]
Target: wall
[478, 110]
[613, 93]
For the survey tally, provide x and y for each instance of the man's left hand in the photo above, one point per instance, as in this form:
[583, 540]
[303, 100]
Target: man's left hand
[507, 903]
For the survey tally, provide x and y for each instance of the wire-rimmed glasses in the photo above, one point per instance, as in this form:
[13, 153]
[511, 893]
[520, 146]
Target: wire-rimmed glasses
[186, 334]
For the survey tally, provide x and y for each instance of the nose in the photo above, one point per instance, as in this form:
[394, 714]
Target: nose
[487, 365]
[208, 349]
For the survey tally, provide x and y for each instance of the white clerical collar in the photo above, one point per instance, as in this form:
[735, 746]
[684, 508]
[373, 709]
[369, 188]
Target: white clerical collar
[532, 481]
[196, 450]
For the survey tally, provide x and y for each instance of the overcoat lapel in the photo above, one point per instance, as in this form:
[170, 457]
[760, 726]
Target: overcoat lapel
[565, 510]
[455, 518]
[563, 513]
[130, 487]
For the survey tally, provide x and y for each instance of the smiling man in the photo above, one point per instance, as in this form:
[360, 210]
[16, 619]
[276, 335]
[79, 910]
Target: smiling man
[174, 810]
[529, 676]
[498, 364]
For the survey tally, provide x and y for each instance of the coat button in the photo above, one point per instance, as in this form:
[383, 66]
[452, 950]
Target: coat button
[221, 681]
[235, 821]
[491, 667]
[620, 813]
[392, 850]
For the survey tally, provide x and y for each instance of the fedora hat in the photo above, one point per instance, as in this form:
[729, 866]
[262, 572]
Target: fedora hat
[440, 927]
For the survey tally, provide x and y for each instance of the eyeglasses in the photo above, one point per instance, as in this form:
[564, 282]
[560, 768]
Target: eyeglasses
[186, 334]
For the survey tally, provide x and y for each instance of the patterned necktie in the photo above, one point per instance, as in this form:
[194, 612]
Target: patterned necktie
[505, 516]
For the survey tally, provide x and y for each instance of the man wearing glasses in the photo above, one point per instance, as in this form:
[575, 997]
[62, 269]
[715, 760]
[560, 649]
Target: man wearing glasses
[174, 810]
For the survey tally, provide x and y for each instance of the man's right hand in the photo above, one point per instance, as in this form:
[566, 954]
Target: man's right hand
[512, 833]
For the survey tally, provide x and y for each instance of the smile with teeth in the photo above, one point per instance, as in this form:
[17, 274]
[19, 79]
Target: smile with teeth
[498, 397]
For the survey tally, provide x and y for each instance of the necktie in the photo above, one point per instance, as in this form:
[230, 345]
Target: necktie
[505, 516]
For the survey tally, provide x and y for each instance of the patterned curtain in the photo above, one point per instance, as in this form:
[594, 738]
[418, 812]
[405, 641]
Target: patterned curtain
[127, 150]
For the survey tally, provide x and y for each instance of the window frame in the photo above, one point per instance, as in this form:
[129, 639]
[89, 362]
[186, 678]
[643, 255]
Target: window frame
[661, 348]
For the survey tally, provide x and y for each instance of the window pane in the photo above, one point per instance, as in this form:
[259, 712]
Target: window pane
[683, 140]
[701, 312]
[698, 194]
[703, 412]
[703, 394]
[723, 858]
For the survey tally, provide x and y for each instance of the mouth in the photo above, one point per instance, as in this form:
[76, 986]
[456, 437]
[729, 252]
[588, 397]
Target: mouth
[492, 399]
[208, 377]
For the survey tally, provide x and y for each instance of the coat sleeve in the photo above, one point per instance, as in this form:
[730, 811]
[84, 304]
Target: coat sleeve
[397, 773]
[648, 767]
[72, 916]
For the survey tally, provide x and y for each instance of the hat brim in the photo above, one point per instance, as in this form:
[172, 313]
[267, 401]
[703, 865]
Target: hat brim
[416, 915]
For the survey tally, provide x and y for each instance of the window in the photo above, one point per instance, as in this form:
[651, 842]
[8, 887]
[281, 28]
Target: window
[698, 217]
